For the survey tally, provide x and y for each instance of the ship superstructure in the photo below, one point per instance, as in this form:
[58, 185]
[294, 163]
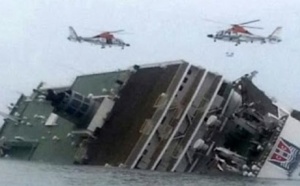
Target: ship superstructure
[170, 116]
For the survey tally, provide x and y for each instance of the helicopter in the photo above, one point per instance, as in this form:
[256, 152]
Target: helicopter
[238, 34]
[104, 39]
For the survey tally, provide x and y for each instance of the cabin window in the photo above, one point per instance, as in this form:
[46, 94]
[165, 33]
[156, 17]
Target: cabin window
[185, 80]
[163, 120]
[75, 103]
[145, 152]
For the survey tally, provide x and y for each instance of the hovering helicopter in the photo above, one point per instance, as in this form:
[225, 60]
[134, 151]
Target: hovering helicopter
[238, 34]
[104, 39]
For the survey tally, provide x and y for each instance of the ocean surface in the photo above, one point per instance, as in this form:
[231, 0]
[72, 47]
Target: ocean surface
[19, 173]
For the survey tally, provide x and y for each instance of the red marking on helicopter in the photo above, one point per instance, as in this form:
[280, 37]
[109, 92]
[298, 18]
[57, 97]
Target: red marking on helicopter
[239, 29]
[106, 35]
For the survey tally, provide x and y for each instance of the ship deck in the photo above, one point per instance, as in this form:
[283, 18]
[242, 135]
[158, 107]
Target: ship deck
[31, 128]
[121, 132]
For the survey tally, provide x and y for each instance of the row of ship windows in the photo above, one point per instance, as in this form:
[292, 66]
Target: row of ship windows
[180, 89]
[163, 120]
[184, 81]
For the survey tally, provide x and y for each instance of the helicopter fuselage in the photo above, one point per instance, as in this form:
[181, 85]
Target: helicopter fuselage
[104, 39]
[101, 41]
[239, 37]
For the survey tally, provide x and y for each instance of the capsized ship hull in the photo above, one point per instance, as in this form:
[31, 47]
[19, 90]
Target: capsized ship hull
[170, 116]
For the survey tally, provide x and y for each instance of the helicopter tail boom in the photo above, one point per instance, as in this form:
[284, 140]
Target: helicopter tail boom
[274, 37]
[276, 32]
[73, 36]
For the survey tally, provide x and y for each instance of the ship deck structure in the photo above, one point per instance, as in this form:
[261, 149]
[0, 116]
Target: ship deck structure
[170, 116]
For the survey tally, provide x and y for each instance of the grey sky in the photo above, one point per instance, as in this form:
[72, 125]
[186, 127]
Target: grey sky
[34, 48]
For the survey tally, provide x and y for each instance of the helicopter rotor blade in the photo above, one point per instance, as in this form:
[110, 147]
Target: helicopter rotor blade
[241, 24]
[248, 22]
[115, 31]
[254, 27]
[102, 31]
